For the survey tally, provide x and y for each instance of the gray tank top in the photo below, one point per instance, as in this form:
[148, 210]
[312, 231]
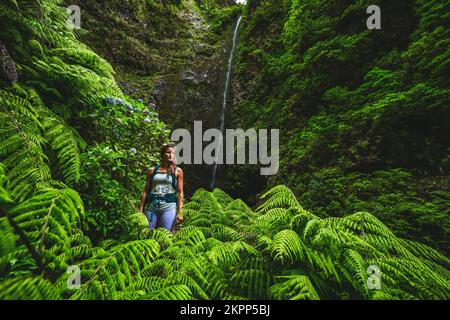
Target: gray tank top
[161, 185]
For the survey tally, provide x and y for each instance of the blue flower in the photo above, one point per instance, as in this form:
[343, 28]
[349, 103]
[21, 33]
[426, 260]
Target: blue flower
[140, 100]
[147, 120]
[133, 150]
[119, 101]
[137, 110]
[109, 100]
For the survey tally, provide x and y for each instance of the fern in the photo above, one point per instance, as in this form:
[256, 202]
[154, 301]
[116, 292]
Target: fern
[28, 288]
[67, 144]
[287, 247]
[21, 146]
[278, 197]
[296, 287]
[251, 283]
[326, 258]
[49, 220]
[173, 292]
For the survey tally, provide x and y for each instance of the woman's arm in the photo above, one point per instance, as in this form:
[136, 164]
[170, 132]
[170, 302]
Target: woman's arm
[180, 194]
[147, 188]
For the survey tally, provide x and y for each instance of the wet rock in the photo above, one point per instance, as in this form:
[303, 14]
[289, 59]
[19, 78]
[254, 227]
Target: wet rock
[187, 75]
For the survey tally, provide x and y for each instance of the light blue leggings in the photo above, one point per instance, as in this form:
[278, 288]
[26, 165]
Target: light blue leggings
[163, 219]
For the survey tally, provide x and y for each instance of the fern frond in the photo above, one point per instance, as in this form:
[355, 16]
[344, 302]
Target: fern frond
[28, 288]
[278, 197]
[21, 146]
[67, 144]
[287, 247]
[183, 279]
[296, 287]
[251, 283]
[230, 253]
[355, 271]
[173, 292]
[222, 198]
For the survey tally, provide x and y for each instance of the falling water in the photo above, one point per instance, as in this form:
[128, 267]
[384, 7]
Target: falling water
[224, 104]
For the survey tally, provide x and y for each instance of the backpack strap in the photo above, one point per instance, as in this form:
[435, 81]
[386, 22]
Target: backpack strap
[174, 179]
[150, 195]
[155, 170]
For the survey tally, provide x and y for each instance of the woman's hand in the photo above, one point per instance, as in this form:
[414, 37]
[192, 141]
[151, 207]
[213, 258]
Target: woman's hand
[180, 217]
[146, 190]
[180, 195]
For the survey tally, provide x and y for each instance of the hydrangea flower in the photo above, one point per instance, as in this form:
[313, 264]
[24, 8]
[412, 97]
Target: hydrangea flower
[109, 100]
[137, 110]
[147, 120]
[119, 101]
[133, 150]
[140, 100]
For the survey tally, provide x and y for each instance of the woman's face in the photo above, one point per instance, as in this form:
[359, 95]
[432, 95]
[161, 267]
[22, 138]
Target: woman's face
[169, 154]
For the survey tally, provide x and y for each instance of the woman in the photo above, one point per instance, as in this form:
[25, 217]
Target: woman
[163, 192]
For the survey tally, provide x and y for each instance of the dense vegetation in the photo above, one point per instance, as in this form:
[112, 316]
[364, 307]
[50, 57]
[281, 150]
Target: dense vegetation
[280, 251]
[66, 123]
[169, 53]
[363, 113]
[74, 146]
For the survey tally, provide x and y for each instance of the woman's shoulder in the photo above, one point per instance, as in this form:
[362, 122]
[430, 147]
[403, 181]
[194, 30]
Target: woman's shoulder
[151, 169]
[179, 170]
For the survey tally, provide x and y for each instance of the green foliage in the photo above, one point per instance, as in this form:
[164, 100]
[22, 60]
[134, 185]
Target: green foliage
[28, 288]
[68, 172]
[281, 251]
[110, 176]
[294, 288]
[363, 113]
[50, 220]
[305, 257]
[66, 108]
[218, 14]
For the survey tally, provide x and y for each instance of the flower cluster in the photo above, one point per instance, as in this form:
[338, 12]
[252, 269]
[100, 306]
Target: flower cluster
[151, 115]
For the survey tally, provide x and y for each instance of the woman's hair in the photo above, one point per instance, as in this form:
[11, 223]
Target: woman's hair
[163, 151]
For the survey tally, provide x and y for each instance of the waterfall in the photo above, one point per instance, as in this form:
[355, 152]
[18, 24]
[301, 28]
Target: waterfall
[224, 103]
